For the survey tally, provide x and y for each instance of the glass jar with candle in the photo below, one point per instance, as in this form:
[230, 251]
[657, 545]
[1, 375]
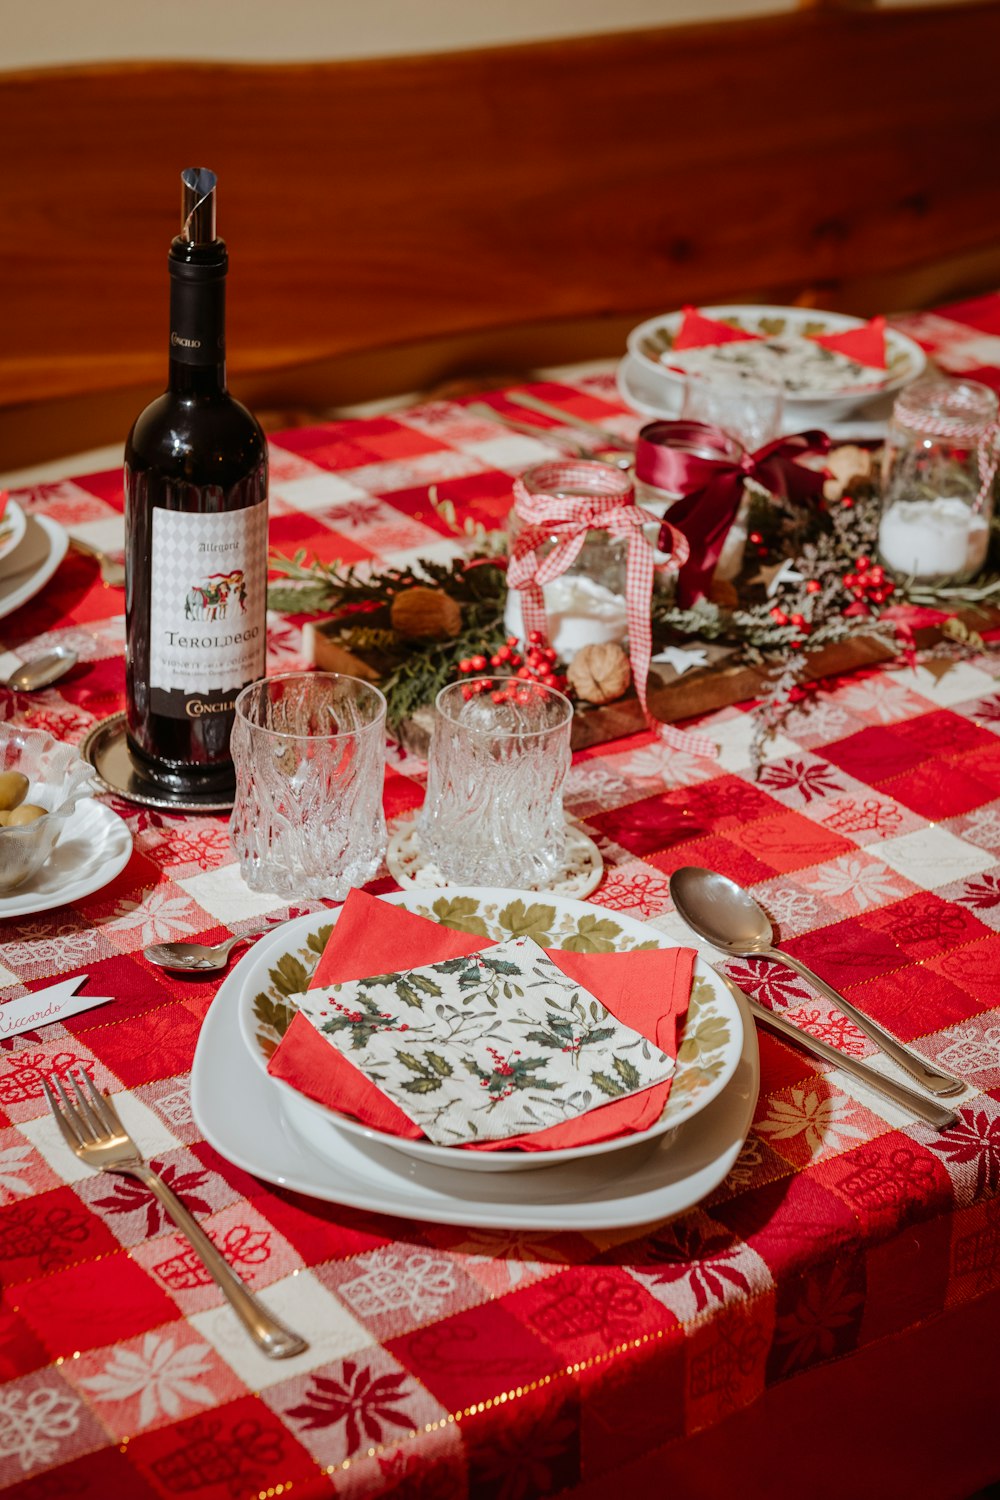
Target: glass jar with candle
[659, 443]
[585, 604]
[937, 480]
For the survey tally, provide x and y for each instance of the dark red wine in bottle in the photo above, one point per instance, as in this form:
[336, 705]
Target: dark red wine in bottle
[196, 531]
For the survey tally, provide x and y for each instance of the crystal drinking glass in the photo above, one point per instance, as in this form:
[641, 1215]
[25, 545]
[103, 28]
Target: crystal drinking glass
[309, 750]
[747, 406]
[495, 771]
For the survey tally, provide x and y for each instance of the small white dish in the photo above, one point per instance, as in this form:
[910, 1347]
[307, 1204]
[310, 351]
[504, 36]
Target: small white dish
[832, 386]
[56, 778]
[28, 568]
[95, 846]
[247, 1121]
[713, 1031]
[13, 523]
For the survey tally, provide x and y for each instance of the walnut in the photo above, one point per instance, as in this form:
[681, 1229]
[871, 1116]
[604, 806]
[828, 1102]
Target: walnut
[425, 614]
[847, 465]
[722, 592]
[600, 673]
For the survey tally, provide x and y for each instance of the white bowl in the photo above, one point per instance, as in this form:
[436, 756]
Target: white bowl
[57, 779]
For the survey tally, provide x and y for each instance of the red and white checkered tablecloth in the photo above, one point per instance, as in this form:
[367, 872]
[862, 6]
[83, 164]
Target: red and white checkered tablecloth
[847, 1252]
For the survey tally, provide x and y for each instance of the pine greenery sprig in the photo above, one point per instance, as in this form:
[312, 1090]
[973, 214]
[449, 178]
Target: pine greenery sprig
[413, 671]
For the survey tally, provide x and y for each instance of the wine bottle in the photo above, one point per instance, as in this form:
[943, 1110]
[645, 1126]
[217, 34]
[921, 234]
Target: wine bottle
[196, 531]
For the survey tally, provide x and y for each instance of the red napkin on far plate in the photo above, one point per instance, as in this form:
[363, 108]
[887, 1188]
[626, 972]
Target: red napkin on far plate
[865, 345]
[696, 331]
[648, 990]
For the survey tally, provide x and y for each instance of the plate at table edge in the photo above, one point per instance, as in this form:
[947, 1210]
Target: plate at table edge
[245, 1121]
[57, 540]
[89, 821]
[916, 359]
[707, 1056]
[13, 524]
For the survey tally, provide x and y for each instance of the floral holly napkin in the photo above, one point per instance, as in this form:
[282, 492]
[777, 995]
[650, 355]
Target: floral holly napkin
[486, 1046]
[646, 990]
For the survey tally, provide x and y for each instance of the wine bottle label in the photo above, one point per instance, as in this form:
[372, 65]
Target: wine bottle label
[207, 612]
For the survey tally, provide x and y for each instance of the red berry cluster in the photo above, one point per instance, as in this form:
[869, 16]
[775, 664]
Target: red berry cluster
[533, 668]
[868, 582]
[507, 658]
[540, 662]
[797, 621]
[756, 540]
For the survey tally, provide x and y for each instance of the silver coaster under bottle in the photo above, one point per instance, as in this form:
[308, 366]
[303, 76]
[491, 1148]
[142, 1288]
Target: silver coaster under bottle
[106, 748]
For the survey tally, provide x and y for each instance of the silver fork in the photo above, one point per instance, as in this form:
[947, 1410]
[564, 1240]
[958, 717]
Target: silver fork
[93, 1131]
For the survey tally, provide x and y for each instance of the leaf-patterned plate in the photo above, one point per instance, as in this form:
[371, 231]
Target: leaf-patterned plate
[710, 1048]
[809, 373]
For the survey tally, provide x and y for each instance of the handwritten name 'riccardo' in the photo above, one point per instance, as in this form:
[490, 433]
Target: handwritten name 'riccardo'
[27, 1020]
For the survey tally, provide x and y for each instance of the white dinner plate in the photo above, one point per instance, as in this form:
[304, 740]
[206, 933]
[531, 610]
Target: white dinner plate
[712, 1032]
[13, 523]
[32, 563]
[830, 383]
[95, 846]
[243, 1116]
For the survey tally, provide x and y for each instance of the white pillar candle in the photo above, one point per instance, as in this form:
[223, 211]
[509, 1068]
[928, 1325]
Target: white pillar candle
[937, 538]
[579, 612]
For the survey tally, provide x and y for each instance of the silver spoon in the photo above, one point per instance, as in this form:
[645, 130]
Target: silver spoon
[206, 958]
[615, 457]
[42, 671]
[593, 430]
[722, 913]
[937, 1115]
[112, 570]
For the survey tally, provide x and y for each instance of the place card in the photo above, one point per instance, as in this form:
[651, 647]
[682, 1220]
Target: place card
[42, 1007]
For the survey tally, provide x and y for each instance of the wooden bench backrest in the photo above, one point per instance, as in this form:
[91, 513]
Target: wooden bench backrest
[377, 204]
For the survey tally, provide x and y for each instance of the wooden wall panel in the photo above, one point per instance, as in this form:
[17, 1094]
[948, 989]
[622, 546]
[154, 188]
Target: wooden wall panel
[377, 204]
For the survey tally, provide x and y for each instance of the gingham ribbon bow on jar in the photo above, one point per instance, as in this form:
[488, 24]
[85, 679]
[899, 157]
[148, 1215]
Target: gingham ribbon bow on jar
[565, 520]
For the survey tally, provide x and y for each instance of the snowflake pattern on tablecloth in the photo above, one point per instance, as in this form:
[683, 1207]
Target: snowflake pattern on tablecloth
[162, 1374]
[34, 1423]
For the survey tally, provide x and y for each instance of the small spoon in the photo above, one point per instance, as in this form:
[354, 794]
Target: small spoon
[112, 571]
[203, 957]
[722, 913]
[594, 431]
[614, 457]
[41, 671]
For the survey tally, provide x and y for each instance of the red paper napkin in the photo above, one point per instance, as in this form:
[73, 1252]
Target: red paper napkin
[648, 990]
[866, 345]
[696, 331]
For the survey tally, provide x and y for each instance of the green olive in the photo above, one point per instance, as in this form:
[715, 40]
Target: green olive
[26, 813]
[13, 789]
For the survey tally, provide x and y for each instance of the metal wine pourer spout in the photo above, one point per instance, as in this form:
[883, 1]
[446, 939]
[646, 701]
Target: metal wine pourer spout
[198, 186]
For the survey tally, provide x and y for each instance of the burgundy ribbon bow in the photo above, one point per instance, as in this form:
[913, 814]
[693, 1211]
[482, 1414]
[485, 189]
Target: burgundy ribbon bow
[711, 488]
